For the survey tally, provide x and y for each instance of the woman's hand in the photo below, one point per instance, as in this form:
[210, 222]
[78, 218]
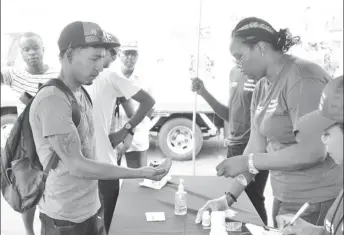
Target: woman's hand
[300, 227]
[219, 204]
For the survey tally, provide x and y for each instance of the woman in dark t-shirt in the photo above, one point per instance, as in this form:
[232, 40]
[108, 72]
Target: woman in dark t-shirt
[289, 88]
[328, 119]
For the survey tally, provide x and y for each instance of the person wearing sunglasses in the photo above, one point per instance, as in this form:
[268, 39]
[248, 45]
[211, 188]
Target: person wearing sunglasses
[328, 121]
[106, 88]
[288, 89]
[136, 154]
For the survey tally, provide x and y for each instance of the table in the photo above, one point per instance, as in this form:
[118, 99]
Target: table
[134, 201]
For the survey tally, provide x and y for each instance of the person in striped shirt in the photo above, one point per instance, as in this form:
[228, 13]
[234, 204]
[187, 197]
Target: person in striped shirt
[238, 116]
[27, 79]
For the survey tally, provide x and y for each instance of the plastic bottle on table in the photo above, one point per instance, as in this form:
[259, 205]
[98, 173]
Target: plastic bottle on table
[180, 203]
[218, 223]
[206, 219]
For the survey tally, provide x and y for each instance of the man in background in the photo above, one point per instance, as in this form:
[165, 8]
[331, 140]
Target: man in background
[105, 90]
[27, 79]
[136, 155]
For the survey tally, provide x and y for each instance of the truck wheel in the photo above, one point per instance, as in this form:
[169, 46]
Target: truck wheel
[7, 122]
[175, 139]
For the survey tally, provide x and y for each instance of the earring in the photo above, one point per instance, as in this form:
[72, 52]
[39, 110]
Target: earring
[262, 54]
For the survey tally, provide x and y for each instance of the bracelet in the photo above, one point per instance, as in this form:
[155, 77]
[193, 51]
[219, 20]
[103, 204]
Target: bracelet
[231, 195]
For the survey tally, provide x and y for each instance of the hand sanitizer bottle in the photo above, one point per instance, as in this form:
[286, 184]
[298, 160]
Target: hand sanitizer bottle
[180, 206]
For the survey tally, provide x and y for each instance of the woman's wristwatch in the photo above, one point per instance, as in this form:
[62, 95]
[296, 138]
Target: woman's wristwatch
[251, 168]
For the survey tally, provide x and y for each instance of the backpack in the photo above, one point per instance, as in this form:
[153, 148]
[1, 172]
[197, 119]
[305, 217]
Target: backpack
[22, 175]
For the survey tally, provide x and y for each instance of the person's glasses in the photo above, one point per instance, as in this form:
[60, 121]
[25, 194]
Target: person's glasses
[239, 61]
[130, 52]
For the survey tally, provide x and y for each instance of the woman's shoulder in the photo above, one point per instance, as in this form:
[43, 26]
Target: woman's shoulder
[304, 69]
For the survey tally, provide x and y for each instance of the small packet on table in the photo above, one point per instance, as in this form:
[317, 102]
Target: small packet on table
[259, 230]
[155, 216]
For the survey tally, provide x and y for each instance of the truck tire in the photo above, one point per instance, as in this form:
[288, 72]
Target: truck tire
[7, 122]
[175, 139]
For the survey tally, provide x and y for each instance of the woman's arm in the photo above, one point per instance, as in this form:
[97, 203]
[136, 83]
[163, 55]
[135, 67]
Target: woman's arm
[256, 144]
[302, 97]
[309, 151]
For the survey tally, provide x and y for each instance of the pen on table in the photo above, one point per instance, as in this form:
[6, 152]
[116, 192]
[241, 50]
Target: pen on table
[297, 215]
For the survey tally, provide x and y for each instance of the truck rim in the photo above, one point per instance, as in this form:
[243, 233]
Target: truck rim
[5, 133]
[179, 140]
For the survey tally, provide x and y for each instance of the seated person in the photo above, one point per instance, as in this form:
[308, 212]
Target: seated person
[328, 119]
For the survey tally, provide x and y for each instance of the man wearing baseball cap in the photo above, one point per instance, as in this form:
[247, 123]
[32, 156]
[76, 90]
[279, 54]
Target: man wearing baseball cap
[111, 53]
[70, 202]
[109, 87]
[327, 120]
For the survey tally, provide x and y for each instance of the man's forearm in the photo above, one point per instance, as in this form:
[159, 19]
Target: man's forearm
[294, 157]
[128, 107]
[90, 169]
[221, 110]
[141, 113]
[68, 148]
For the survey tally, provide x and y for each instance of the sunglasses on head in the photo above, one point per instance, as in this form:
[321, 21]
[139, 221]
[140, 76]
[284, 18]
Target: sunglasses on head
[130, 52]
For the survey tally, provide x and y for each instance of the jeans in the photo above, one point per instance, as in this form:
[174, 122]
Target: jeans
[52, 226]
[108, 194]
[315, 214]
[255, 190]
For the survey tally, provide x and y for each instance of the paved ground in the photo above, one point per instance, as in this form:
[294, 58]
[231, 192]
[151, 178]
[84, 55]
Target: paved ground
[206, 162]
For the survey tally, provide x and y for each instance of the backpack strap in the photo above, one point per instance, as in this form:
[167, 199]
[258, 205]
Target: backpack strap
[76, 116]
[87, 95]
[63, 87]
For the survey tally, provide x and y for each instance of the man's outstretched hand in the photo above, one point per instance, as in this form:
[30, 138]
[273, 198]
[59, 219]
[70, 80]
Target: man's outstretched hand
[157, 173]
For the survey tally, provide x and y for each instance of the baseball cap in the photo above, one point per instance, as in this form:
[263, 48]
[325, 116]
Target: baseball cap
[129, 46]
[80, 33]
[330, 110]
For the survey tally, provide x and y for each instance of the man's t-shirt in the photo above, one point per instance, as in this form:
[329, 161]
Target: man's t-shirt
[239, 125]
[276, 108]
[334, 217]
[140, 140]
[21, 81]
[104, 91]
[65, 197]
